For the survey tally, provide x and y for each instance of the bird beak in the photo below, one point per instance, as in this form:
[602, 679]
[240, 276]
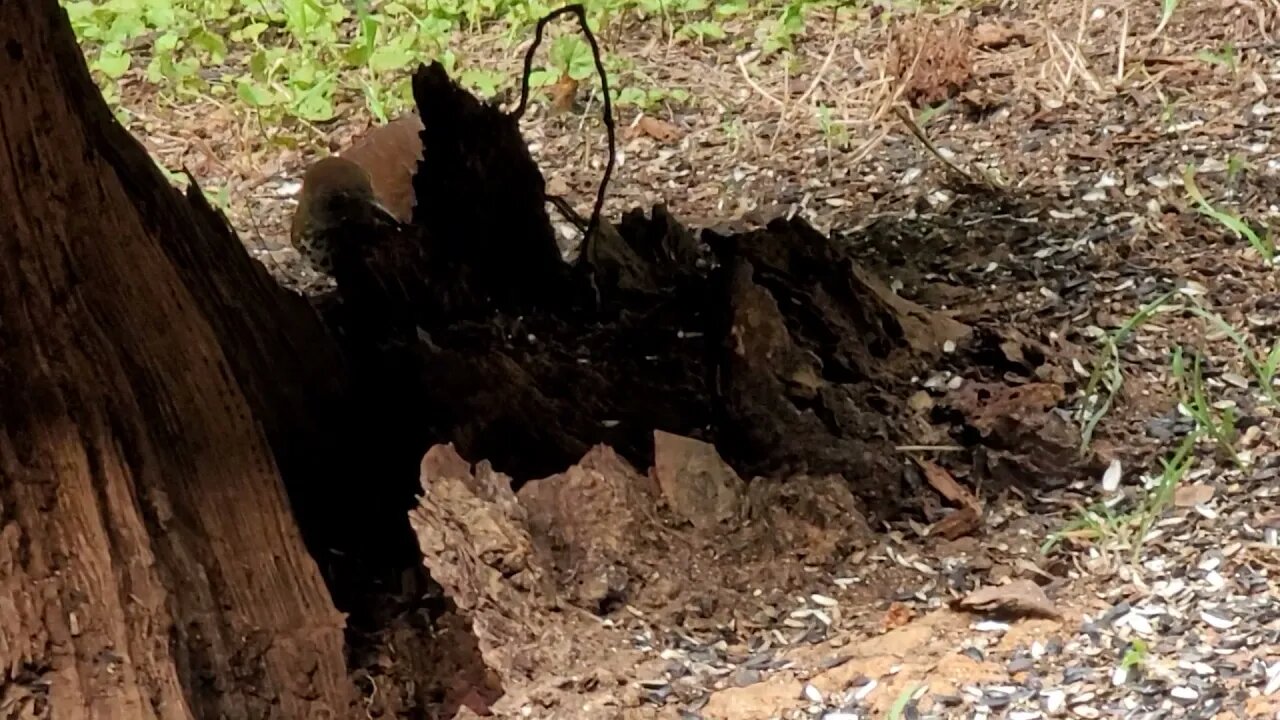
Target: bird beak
[387, 214]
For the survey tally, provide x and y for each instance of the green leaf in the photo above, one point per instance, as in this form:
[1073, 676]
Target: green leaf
[356, 55]
[315, 107]
[210, 43]
[727, 8]
[303, 74]
[373, 99]
[633, 96]
[449, 59]
[112, 61]
[160, 14]
[707, 29]
[390, 57]
[166, 43]
[79, 11]
[258, 63]
[254, 95]
[125, 27]
[1135, 655]
[543, 78]
[485, 82]
[249, 33]
[567, 50]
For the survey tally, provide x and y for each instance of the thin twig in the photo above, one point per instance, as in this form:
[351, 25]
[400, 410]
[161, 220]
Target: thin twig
[742, 65]
[610, 130]
[907, 120]
[1124, 40]
[929, 448]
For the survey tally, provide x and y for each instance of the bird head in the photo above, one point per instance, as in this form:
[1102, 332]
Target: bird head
[336, 191]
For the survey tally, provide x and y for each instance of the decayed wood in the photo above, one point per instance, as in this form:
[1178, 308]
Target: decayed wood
[149, 565]
[772, 344]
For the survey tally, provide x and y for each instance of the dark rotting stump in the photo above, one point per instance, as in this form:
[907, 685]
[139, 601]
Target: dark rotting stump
[768, 343]
[466, 326]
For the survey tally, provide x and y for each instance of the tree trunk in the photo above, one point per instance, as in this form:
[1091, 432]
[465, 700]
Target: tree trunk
[149, 564]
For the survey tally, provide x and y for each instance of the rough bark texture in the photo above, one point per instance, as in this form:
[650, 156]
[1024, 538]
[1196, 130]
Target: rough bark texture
[149, 564]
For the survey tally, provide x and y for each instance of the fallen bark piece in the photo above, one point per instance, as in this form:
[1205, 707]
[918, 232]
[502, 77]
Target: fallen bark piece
[942, 481]
[1017, 598]
[1027, 438]
[963, 521]
[592, 520]
[696, 483]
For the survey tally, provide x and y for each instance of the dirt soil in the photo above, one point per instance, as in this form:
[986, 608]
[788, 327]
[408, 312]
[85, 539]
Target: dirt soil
[1052, 210]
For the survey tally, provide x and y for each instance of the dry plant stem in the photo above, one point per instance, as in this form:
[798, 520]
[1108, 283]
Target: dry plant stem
[746, 75]
[887, 102]
[804, 98]
[924, 140]
[1084, 18]
[1124, 39]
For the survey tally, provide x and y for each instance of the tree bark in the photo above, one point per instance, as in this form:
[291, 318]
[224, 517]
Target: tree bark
[149, 563]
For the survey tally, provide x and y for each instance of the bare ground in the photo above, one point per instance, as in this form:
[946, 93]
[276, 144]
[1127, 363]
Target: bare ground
[1069, 125]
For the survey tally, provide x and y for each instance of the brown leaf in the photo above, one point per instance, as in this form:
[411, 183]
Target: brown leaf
[991, 36]
[659, 130]
[557, 186]
[563, 94]
[946, 485]
[956, 525]
[1192, 495]
[920, 401]
[896, 616]
[1020, 597]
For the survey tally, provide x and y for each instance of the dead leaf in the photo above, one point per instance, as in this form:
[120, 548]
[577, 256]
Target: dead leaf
[967, 518]
[991, 36]
[557, 186]
[659, 130]
[920, 401]
[1020, 597]
[1191, 495]
[931, 58]
[563, 93]
[956, 525]
[942, 481]
[896, 616]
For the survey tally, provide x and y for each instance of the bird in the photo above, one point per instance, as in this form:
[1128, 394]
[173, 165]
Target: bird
[390, 154]
[336, 194]
[370, 184]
